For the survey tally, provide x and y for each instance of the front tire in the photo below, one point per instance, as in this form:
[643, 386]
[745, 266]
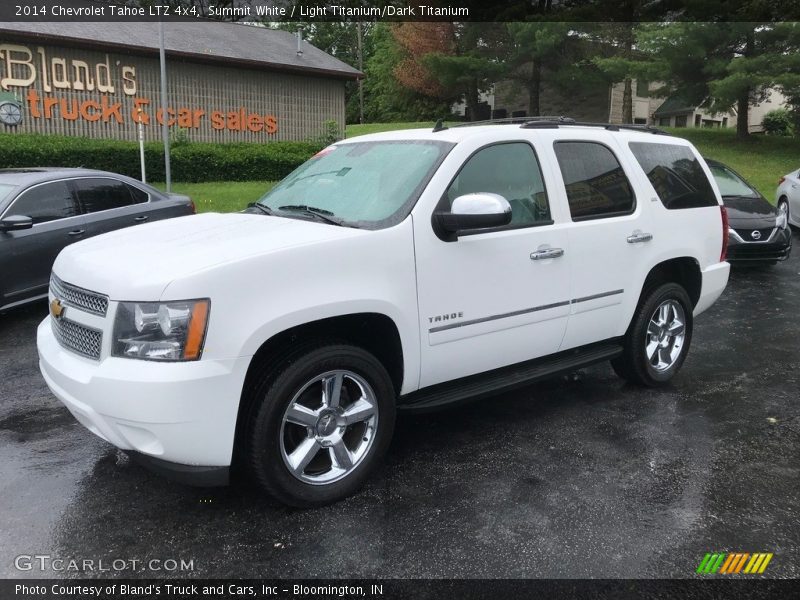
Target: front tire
[658, 339]
[322, 424]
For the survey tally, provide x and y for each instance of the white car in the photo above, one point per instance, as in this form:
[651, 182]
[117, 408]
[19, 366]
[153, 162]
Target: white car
[787, 197]
[397, 271]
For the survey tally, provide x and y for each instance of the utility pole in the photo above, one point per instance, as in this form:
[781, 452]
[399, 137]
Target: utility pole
[164, 115]
[360, 79]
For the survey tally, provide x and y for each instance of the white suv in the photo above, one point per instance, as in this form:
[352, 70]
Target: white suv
[402, 270]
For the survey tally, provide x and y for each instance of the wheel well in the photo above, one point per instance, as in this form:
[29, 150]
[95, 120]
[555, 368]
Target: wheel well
[374, 332]
[684, 271]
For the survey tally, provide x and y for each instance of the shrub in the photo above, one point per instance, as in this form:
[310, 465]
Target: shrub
[191, 162]
[777, 122]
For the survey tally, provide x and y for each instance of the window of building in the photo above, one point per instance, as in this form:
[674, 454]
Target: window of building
[676, 175]
[640, 121]
[642, 88]
[680, 121]
[697, 119]
[512, 171]
[595, 182]
[96, 194]
[664, 121]
[46, 202]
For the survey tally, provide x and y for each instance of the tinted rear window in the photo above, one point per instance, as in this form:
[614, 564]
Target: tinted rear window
[676, 175]
[97, 194]
[596, 184]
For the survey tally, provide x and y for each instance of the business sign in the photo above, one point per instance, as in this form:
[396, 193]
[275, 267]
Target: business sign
[37, 85]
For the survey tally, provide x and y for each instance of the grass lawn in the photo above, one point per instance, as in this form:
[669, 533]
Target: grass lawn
[762, 160]
[221, 196]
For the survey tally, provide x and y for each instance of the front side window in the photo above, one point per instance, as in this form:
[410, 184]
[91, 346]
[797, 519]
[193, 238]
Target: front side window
[96, 194]
[512, 171]
[363, 184]
[595, 182]
[676, 175]
[43, 203]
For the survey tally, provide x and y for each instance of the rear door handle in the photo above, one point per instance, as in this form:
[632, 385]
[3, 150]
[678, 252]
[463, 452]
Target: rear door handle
[141, 218]
[637, 237]
[77, 232]
[547, 253]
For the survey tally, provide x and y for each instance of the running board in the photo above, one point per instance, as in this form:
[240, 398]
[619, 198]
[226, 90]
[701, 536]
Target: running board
[479, 386]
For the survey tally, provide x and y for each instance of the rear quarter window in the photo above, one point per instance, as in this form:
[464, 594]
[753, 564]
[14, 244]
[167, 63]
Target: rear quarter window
[676, 175]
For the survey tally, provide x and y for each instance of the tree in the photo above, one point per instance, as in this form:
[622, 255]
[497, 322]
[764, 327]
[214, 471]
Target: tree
[720, 66]
[386, 99]
[450, 60]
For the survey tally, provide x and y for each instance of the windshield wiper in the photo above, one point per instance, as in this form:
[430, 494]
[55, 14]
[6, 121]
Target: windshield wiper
[318, 213]
[265, 209]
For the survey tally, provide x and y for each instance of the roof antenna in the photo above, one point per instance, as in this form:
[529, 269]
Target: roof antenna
[439, 126]
[299, 41]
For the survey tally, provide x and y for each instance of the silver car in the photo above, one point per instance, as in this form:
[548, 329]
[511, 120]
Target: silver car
[788, 197]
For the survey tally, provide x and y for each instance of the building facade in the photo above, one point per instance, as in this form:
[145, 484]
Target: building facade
[226, 82]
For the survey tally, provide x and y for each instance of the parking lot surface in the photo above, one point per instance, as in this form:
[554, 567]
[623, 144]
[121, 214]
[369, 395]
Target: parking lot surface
[586, 477]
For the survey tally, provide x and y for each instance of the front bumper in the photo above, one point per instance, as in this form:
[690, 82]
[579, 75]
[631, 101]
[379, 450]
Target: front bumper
[179, 413]
[777, 248]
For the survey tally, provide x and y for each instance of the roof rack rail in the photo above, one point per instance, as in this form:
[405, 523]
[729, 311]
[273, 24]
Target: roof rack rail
[553, 122]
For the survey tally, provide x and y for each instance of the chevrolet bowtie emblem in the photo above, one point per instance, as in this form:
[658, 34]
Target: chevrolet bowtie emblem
[56, 308]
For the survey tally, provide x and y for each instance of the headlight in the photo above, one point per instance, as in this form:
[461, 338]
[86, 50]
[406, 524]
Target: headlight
[161, 330]
[781, 221]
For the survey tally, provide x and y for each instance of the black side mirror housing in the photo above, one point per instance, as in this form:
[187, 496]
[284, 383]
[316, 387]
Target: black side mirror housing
[16, 223]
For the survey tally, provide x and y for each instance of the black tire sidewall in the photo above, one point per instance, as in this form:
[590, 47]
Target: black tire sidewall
[264, 451]
[636, 342]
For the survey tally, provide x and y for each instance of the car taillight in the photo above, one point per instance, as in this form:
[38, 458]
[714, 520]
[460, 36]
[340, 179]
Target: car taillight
[194, 208]
[724, 253]
[781, 180]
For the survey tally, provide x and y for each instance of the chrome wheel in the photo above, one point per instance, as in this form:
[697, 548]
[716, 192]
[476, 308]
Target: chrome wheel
[328, 427]
[665, 335]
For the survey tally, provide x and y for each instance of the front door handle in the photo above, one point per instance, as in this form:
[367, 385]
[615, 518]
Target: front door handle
[77, 232]
[637, 237]
[141, 218]
[547, 253]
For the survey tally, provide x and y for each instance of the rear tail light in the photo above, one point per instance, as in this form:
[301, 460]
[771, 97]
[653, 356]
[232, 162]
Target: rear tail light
[781, 180]
[194, 208]
[724, 253]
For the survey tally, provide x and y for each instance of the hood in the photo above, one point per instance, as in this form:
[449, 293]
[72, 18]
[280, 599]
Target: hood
[750, 213]
[138, 263]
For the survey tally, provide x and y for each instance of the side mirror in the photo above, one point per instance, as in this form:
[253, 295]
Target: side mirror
[15, 223]
[474, 211]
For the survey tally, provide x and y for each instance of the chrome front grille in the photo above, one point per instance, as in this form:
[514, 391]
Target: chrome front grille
[78, 338]
[72, 295]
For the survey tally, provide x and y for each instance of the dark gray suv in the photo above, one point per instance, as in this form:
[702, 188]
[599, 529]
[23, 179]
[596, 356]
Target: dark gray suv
[42, 210]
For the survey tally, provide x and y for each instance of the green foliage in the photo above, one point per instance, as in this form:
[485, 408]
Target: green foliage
[179, 137]
[778, 122]
[331, 132]
[190, 162]
[385, 99]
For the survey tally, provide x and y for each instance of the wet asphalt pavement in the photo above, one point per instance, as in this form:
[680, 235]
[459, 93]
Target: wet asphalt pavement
[585, 478]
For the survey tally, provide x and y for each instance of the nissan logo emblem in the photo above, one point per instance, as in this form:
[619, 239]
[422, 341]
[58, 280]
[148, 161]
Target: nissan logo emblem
[756, 235]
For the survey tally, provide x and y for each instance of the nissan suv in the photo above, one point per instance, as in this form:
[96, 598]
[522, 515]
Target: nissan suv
[405, 270]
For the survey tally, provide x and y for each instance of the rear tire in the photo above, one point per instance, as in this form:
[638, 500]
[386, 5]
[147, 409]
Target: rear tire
[322, 423]
[658, 337]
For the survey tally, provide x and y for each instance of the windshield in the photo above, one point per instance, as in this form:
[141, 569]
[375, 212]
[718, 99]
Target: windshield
[5, 190]
[730, 184]
[363, 184]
